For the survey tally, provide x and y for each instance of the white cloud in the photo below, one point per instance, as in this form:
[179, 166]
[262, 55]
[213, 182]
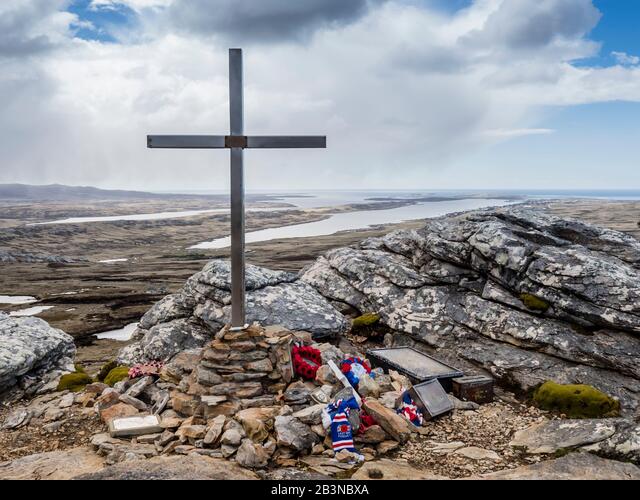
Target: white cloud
[401, 92]
[625, 59]
[518, 132]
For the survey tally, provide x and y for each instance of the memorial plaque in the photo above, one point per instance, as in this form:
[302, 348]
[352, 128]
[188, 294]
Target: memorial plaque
[431, 399]
[134, 426]
[416, 365]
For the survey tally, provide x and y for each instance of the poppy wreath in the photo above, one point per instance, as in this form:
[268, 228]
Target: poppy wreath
[306, 361]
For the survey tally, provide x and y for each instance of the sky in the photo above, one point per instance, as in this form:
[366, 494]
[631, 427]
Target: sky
[428, 94]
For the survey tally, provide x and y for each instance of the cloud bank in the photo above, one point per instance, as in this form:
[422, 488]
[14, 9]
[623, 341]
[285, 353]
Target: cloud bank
[405, 91]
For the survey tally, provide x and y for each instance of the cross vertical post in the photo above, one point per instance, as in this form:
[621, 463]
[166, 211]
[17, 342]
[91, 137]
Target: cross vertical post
[236, 93]
[236, 143]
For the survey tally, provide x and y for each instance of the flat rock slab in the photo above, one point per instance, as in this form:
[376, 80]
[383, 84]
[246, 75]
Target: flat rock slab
[478, 454]
[134, 426]
[577, 466]
[329, 467]
[186, 468]
[53, 466]
[392, 470]
[555, 435]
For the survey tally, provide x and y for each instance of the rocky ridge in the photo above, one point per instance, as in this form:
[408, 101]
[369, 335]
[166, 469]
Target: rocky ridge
[524, 295]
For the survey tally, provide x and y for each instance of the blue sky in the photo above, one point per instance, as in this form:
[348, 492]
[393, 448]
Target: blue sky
[104, 20]
[412, 93]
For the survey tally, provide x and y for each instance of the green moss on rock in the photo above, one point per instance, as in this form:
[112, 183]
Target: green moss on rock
[576, 401]
[116, 375]
[104, 371]
[365, 321]
[74, 382]
[534, 303]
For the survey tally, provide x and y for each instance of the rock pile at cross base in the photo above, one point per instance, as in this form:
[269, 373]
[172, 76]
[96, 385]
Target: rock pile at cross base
[33, 355]
[526, 296]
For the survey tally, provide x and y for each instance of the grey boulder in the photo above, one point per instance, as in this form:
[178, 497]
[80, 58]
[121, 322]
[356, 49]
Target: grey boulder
[33, 355]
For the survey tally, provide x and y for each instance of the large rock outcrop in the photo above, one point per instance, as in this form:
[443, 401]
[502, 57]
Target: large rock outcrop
[522, 294]
[33, 355]
[525, 295]
[191, 317]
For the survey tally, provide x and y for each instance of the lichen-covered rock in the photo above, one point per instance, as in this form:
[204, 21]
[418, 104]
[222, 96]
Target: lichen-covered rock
[33, 355]
[189, 319]
[523, 294]
[557, 435]
[164, 340]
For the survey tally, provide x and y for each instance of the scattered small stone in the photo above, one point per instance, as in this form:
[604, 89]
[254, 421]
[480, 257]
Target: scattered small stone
[136, 403]
[475, 453]
[15, 420]
[67, 401]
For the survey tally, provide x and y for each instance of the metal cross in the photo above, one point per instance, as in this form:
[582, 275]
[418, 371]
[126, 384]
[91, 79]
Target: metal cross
[237, 142]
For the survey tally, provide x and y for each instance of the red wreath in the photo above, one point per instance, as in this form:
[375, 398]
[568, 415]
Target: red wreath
[306, 361]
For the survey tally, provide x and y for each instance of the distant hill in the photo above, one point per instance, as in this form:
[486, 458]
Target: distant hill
[57, 192]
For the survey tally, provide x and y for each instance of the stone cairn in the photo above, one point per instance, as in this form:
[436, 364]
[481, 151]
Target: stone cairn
[237, 399]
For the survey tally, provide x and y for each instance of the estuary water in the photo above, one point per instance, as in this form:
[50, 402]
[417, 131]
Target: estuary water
[358, 220]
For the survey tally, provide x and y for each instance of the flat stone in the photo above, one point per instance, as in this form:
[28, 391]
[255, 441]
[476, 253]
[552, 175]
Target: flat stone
[97, 388]
[368, 387]
[67, 401]
[231, 437]
[263, 365]
[551, 436]
[395, 425]
[445, 448]
[55, 466]
[148, 438]
[329, 467]
[228, 408]
[386, 469]
[373, 435]
[478, 454]
[182, 468]
[52, 414]
[119, 410]
[214, 431]
[257, 422]
[294, 434]
[192, 432]
[108, 398]
[171, 423]
[311, 415]
[165, 438]
[573, 467]
[134, 426]
[387, 447]
[325, 376]
[207, 377]
[185, 404]
[252, 455]
[16, 419]
[139, 387]
[136, 403]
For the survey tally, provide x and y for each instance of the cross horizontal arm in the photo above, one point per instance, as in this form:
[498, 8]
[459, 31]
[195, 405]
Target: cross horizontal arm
[239, 141]
[286, 142]
[186, 141]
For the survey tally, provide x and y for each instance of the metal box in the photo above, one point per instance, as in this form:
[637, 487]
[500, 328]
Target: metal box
[416, 365]
[478, 389]
[431, 399]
